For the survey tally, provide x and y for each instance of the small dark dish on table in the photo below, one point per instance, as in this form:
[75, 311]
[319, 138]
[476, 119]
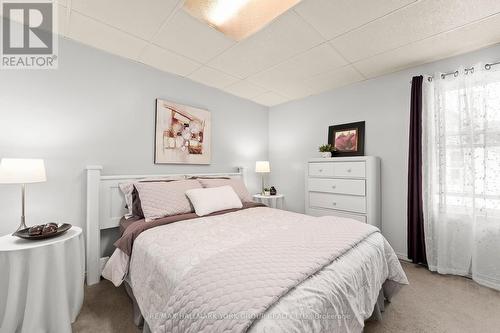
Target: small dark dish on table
[43, 231]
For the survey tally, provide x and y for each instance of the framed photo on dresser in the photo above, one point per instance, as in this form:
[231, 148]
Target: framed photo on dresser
[347, 139]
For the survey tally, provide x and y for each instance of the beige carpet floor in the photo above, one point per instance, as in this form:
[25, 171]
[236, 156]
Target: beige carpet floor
[431, 303]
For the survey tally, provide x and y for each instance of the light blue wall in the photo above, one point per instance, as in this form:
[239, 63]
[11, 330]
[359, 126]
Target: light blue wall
[296, 129]
[98, 108]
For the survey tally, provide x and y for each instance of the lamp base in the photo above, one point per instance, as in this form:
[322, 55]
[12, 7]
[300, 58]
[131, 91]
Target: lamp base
[262, 189]
[22, 225]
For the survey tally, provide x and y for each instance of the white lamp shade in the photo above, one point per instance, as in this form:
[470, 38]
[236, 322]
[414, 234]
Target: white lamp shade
[262, 167]
[22, 171]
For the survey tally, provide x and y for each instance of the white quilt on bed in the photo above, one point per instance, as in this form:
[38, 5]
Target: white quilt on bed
[337, 299]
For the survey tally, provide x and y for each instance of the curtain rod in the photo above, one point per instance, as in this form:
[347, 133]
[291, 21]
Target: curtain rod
[467, 71]
[488, 66]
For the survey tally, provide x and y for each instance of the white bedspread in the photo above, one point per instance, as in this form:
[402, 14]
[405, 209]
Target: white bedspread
[337, 299]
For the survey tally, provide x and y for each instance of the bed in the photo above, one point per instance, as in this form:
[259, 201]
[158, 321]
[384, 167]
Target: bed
[254, 269]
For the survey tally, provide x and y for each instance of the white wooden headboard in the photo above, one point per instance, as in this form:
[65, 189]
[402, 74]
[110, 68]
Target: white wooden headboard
[106, 206]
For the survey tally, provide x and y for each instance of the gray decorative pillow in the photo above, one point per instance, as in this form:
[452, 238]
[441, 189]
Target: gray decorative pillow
[160, 199]
[128, 192]
[236, 183]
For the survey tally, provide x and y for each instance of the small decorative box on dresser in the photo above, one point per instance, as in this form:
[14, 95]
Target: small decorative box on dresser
[344, 187]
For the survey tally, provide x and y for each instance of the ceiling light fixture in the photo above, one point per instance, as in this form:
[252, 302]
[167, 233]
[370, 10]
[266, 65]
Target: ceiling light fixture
[224, 10]
[238, 18]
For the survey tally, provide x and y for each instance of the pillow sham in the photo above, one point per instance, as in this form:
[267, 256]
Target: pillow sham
[160, 199]
[127, 189]
[136, 204]
[236, 183]
[214, 199]
[128, 192]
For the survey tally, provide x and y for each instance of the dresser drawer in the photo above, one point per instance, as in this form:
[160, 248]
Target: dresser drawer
[338, 213]
[321, 169]
[337, 201]
[337, 169]
[340, 186]
[349, 169]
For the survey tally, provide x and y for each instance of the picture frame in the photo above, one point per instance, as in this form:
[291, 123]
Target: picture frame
[348, 139]
[182, 134]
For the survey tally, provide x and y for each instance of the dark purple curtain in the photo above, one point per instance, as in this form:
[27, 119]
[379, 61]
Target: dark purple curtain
[416, 236]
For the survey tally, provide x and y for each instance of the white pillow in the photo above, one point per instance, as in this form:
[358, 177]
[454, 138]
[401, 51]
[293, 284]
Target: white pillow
[213, 199]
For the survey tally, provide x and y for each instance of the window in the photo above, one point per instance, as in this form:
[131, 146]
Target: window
[467, 137]
[461, 174]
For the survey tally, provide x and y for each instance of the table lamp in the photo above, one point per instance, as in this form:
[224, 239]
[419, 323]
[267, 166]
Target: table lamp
[22, 171]
[262, 167]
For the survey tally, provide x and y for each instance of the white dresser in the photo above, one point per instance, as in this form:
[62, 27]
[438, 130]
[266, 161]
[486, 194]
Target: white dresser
[345, 187]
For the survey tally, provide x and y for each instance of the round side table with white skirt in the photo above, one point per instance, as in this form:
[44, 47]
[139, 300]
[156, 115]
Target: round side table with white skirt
[273, 201]
[41, 282]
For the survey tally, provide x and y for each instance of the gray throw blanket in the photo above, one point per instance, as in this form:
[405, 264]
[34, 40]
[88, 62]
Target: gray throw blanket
[229, 291]
[131, 229]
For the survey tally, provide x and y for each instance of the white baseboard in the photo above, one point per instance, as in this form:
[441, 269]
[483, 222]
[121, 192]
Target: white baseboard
[402, 257]
[102, 262]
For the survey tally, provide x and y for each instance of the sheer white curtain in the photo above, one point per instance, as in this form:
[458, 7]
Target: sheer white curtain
[461, 174]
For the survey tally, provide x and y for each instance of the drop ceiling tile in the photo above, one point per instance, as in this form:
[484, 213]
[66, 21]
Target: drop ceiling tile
[285, 37]
[287, 77]
[244, 89]
[271, 78]
[192, 38]
[167, 61]
[334, 79]
[461, 40]
[415, 22]
[314, 61]
[296, 90]
[285, 83]
[101, 36]
[270, 99]
[140, 18]
[212, 77]
[332, 18]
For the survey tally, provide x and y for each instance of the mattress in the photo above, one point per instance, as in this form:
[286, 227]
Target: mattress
[338, 298]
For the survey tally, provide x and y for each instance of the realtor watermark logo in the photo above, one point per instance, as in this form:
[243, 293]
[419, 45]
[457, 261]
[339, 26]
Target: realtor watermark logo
[29, 39]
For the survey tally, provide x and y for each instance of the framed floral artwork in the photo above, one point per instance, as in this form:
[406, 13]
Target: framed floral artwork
[182, 134]
[347, 139]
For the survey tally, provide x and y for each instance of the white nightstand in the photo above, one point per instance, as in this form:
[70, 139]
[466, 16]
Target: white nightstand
[273, 201]
[41, 284]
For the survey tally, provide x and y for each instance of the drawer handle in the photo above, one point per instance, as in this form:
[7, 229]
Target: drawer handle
[348, 170]
[320, 170]
[334, 187]
[334, 204]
